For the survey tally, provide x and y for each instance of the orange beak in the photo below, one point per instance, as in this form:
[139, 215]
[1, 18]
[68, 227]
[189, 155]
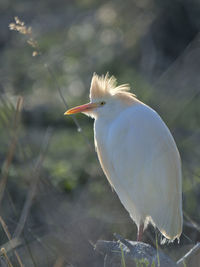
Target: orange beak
[82, 108]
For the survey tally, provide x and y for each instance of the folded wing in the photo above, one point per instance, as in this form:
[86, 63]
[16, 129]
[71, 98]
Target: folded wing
[148, 182]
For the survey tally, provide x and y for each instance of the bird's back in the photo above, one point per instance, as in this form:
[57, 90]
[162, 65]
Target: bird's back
[140, 159]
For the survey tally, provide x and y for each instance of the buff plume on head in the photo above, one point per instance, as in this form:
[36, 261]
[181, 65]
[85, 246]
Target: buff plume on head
[105, 86]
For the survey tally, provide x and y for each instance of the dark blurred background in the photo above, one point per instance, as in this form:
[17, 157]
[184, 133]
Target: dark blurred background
[55, 202]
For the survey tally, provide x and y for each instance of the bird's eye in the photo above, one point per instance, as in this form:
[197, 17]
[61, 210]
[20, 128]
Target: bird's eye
[102, 103]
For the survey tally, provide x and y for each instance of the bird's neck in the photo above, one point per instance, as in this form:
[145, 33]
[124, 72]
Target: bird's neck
[103, 123]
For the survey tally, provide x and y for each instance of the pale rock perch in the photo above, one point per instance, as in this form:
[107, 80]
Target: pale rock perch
[138, 156]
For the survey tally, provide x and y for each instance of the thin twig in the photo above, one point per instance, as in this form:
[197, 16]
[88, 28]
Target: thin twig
[37, 239]
[192, 253]
[79, 128]
[192, 222]
[53, 76]
[5, 228]
[3, 251]
[29, 250]
[35, 178]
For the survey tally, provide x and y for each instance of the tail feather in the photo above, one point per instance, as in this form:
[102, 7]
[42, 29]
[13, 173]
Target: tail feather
[169, 222]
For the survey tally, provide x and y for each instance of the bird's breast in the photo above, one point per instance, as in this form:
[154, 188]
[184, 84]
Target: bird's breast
[101, 131]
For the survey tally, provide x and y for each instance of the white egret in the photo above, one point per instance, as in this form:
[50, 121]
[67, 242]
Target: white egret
[138, 156]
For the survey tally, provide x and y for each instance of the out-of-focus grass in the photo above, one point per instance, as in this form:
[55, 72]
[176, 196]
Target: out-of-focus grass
[73, 202]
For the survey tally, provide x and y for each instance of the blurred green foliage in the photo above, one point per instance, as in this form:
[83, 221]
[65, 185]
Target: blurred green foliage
[139, 42]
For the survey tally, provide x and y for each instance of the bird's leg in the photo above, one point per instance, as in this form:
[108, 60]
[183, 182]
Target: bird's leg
[140, 232]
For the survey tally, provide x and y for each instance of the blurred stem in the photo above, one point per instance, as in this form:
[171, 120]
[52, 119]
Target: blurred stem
[3, 251]
[5, 228]
[33, 186]
[122, 257]
[158, 258]
[11, 149]
[29, 251]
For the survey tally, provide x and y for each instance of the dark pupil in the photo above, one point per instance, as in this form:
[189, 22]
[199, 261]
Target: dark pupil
[102, 103]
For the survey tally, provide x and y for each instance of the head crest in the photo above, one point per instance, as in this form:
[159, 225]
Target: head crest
[102, 86]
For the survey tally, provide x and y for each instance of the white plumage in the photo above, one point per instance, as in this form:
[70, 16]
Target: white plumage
[138, 155]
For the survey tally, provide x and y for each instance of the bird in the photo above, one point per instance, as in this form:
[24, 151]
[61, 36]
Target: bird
[138, 155]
